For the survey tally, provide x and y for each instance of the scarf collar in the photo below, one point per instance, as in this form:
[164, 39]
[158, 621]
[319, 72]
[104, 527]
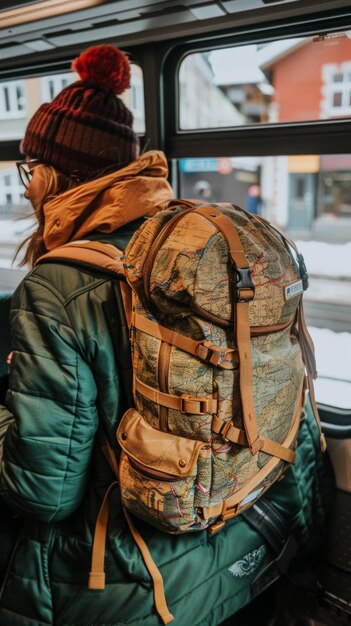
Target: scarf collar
[107, 203]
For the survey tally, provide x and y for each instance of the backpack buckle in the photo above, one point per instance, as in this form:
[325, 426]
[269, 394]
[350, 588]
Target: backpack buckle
[245, 289]
[194, 404]
[303, 271]
[215, 354]
[224, 430]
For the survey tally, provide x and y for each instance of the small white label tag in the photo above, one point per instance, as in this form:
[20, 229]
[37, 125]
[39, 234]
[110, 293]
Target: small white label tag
[290, 291]
[252, 496]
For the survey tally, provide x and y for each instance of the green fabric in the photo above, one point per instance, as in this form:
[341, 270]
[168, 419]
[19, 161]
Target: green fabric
[64, 383]
[5, 301]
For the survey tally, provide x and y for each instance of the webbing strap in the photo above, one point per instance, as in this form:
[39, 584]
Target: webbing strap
[159, 593]
[242, 317]
[126, 293]
[307, 349]
[307, 346]
[92, 253]
[259, 218]
[97, 574]
[185, 403]
[224, 358]
[276, 449]
[235, 435]
[231, 506]
[97, 569]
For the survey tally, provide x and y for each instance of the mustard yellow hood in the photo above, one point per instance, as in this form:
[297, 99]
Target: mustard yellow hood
[109, 202]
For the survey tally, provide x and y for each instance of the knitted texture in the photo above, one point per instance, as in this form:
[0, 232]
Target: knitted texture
[86, 128]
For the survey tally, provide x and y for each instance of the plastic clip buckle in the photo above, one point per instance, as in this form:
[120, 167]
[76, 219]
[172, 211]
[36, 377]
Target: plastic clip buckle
[215, 354]
[303, 271]
[244, 283]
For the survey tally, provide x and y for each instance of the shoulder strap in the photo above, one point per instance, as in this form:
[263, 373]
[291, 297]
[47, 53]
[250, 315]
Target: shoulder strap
[106, 257]
[95, 254]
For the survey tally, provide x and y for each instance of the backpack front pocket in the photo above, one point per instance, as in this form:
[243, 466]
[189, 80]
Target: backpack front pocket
[158, 473]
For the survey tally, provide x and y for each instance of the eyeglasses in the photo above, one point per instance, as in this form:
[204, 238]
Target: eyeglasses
[25, 170]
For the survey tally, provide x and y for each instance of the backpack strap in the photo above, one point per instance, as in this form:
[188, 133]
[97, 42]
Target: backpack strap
[308, 356]
[97, 573]
[306, 343]
[244, 293]
[224, 358]
[95, 254]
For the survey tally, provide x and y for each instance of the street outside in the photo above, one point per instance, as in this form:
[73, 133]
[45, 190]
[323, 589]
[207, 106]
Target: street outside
[327, 305]
[329, 267]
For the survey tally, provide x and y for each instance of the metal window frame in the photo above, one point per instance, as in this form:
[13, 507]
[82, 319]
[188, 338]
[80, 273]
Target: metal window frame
[310, 137]
[160, 62]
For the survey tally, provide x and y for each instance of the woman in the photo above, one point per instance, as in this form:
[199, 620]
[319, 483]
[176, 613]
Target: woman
[85, 180]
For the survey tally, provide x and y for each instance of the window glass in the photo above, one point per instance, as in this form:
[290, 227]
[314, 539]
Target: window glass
[309, 197]
[12, 100]
[292, 80]
[18, 102]
[52, 85]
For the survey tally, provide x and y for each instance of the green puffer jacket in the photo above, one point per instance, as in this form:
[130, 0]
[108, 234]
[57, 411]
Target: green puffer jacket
[64, 383]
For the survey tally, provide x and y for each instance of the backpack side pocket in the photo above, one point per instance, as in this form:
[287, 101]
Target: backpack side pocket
[158, 474]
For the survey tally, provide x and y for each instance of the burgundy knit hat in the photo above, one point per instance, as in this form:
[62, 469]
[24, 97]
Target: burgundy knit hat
[86, 128]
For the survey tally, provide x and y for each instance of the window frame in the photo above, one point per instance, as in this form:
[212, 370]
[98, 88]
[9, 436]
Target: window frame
[311, 137]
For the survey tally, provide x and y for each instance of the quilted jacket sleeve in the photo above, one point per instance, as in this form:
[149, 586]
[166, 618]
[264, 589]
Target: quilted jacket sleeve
[52, 397]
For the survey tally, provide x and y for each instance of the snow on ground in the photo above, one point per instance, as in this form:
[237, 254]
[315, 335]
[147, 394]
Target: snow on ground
[333, 350]
[326, 259]
[322, 259]
[333, 355]
[13, 231]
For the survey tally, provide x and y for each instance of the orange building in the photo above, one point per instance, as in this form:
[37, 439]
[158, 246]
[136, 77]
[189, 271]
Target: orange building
[312, 79]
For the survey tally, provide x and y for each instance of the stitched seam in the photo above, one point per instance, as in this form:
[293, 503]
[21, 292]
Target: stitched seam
[42, 356]
[68, 456]
[41, 315]
[47, 284]
[56, 400]
[85, 289]
[35, 622]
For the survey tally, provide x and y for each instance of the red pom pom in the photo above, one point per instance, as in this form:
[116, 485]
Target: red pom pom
[105, 66]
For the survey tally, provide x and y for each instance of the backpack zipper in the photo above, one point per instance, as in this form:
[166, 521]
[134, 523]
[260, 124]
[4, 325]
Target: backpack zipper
[154, 474]
[161, 237]
[163, 370]
[254, 330]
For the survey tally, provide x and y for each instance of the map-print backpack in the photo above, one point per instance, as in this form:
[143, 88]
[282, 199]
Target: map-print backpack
[222, 360]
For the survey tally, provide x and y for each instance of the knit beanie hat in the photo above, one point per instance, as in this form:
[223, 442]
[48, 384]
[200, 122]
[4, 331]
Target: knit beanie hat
[86, 128]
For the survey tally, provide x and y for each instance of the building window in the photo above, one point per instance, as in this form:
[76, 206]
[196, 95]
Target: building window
[336, 90]
[52, 85]
[11, 191]
[12, 100]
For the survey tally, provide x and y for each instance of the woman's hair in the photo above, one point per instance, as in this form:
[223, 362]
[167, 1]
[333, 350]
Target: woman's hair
[52, 183]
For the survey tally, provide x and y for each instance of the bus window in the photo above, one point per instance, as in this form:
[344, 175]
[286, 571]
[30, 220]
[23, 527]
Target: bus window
[309, 197]
[293, 80]
[19, 99]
